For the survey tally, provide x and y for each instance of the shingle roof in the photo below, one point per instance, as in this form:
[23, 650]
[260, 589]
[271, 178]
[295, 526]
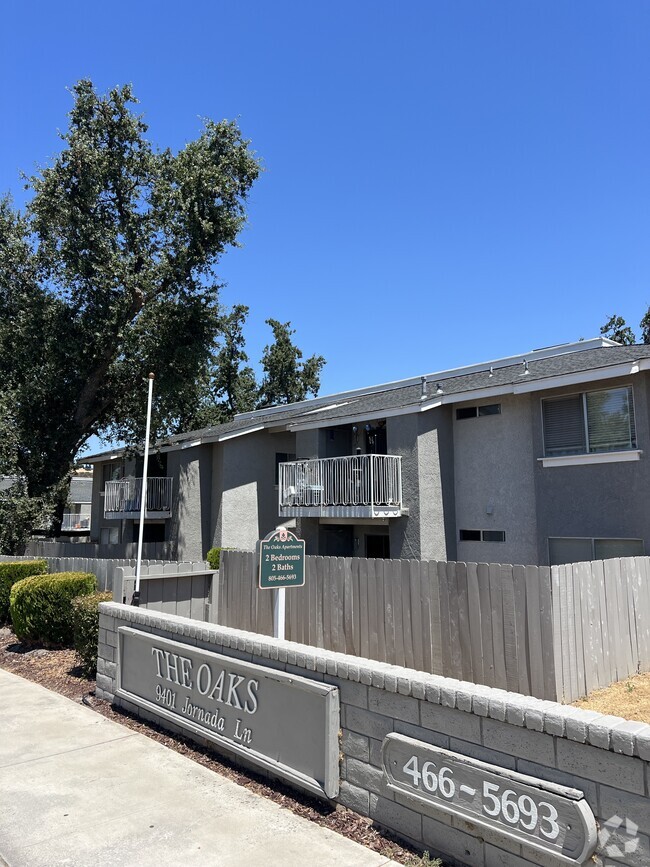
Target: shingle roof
[395, 396]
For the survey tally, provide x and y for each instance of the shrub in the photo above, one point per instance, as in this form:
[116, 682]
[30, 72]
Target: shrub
[41, 606]
[85, 624]
[12, 572]
[214, 557]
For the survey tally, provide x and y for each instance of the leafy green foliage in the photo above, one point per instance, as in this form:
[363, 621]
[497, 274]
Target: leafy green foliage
[287, 379]
[214, 556]
[645, 327]
[85, 627]
[10, 573]
[41, 606]
[617, 329]
[19, 515]
[110, 273]
[231, 385]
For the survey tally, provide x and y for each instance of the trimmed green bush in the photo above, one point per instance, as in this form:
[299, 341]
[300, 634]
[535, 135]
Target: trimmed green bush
[12, 572]
[214, 557]
[41, 606]
[85, 624]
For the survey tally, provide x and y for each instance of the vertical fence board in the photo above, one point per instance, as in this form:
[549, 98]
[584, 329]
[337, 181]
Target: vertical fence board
[155, 592]
[445, 632]
[184, 590]
[407, 613]
[532, 580]
[415, 597]
[456, 669]
[352, 605]
[382, 653]
[366, 568]
[475, 618]
[436, 622]
[509, 628]
[487, 643]
[590, 627]
[642, 602]
[628, 570]
[389, 586]
[521, 629]
[425, 597]
[170, 593]
[575, 572]
[611, 598]
[372, 590]
[549, 664]
[496, 606]
[463, 622]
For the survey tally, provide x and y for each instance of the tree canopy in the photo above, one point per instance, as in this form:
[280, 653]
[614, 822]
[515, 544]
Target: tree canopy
[108, 273]
[616, 328]
[286, 378]
[231, 386]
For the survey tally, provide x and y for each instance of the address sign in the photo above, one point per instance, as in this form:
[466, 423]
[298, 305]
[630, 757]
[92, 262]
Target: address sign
[541, 816]
[284, 723]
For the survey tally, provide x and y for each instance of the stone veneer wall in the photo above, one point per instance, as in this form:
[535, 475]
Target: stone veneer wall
[604, 756]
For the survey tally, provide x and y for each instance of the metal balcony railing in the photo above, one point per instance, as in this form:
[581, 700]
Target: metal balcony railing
[123, 497]
[369, 485]
[75, 521]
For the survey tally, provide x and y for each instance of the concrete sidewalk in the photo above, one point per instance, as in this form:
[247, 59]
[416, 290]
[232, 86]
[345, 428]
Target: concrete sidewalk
[77, 789]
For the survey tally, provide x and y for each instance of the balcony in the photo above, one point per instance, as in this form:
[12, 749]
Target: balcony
[75, 521]
[359, 486]
[122, 499]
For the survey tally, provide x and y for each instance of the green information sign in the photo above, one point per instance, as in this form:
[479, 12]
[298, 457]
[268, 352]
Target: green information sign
[282, 560]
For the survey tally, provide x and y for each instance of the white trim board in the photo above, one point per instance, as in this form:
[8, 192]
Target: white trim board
[593, 458]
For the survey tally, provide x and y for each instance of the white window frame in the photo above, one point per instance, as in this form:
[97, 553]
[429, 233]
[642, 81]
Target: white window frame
[602, 457]
[593, 540]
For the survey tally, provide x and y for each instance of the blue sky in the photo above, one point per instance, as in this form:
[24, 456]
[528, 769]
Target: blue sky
[446, 182]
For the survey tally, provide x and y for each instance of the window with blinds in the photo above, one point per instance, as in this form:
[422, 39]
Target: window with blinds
[590, 422]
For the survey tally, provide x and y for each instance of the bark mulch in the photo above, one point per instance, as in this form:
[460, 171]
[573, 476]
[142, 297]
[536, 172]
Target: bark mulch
[57, 670]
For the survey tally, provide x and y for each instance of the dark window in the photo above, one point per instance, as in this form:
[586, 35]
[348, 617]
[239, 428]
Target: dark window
[577, 550]
[112, 472]
[590, 422]
[494, 536]
[156, 466]
[470, 535]
[473, 411]
[482, 535]
[281, 458]
[490, 409]
[378, 547]
[337, 541]
[152, 532]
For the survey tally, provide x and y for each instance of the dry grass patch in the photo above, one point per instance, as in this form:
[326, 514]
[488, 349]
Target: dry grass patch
[628, 698]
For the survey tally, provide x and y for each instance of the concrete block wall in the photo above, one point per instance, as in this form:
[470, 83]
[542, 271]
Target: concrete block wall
[606, 757]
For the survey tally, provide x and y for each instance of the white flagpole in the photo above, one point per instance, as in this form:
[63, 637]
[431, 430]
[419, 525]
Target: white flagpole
[143, 495]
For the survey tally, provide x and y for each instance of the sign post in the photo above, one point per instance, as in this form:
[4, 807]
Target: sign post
[282, 565]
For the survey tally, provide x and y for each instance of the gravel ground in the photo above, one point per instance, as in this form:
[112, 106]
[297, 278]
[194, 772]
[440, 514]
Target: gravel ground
[57, 670]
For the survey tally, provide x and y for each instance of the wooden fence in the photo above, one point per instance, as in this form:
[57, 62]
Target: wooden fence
[185, 589]
[601, 623]
[104, 568]
[96, 551]
[555, 633]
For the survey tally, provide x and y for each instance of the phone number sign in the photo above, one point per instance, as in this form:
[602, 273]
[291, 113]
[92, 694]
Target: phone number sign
[282, 560]
[542, 816]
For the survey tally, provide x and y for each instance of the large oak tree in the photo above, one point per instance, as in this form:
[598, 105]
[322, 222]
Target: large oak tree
[107, 274]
